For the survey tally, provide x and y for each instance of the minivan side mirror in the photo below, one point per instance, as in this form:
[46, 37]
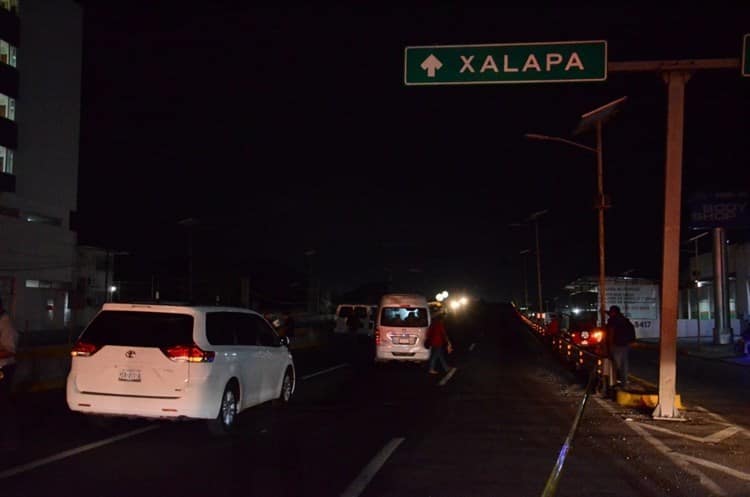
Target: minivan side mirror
[284, 341]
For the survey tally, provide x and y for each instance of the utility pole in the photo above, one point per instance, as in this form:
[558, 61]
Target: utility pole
[676, 75]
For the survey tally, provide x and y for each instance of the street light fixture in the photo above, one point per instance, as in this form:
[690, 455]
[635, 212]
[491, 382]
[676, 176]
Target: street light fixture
[594, 118]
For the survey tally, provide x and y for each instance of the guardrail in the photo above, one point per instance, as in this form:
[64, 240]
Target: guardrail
[582, 353]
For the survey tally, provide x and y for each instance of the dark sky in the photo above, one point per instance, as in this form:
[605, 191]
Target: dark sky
[290, 129]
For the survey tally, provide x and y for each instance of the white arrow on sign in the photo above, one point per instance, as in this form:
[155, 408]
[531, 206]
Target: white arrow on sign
[431, 64]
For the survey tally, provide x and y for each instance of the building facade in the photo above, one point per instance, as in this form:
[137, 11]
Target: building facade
[40, 87]
[697, 293]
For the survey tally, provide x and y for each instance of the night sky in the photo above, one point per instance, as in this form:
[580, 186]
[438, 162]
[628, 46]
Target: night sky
[290, 129]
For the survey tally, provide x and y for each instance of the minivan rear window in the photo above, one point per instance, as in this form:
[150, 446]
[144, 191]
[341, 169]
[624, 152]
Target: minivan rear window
[361, 312]
[139, 329]
[345, 311]
[404, 316]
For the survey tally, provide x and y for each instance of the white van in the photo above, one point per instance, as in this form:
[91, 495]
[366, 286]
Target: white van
[401, 327]
[178, 361]
[363, 312]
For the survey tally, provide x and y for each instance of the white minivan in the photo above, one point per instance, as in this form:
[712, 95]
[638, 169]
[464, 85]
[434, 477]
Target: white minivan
[178, 361]
[401, 327]
[363, 313]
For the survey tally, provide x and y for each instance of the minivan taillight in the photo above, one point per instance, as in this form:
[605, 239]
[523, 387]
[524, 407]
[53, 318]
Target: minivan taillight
[377, 335]
[189, 353]
[84, 349]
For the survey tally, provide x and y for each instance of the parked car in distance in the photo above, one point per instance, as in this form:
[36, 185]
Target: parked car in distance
[178, 362]
[364, 313]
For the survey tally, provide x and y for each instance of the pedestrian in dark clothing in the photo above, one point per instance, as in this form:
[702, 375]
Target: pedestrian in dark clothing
[437, 338]
[620, 334]
[8, 345]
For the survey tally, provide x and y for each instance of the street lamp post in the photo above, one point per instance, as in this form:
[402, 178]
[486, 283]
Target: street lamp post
[524, 253]
[535, 217]
[596, 118]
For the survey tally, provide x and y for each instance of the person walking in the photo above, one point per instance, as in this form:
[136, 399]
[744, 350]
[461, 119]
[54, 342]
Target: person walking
[620, 334]
[437, 338]
[8, 345]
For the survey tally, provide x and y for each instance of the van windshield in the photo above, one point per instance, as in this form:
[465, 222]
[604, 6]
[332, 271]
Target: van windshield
[404, 316]
[345, 311]
[139, 329]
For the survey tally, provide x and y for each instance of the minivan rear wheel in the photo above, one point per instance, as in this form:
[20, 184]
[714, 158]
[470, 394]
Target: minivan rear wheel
[226, 421]
[287, 386]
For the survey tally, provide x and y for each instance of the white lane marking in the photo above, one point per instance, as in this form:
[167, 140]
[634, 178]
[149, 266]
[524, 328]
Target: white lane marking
[471, 347]
[72, 452]
[723, 420]
[718, 467]
[311, 375]
[676, 458]
[359, 484]
[447, 377]
[712, 438]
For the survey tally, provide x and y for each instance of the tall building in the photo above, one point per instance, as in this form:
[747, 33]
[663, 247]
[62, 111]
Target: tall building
[40, 93]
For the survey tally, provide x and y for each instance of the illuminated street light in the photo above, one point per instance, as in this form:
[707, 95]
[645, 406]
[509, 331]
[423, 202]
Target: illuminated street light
[595, 119]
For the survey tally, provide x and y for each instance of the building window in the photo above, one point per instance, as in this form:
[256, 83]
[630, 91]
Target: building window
[7, 53]
[7, 107]
[6, 160]
[10, 5]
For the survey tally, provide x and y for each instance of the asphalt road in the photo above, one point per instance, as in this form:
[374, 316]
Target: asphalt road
[493, 428]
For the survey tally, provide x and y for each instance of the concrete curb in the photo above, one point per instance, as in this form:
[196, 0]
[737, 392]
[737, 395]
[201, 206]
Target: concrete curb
[633, 399]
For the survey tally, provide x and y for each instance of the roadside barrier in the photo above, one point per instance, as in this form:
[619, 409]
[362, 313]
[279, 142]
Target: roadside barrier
[582, 352]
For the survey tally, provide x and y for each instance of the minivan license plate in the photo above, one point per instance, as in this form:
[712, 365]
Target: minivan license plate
[130, 375]
[404, 340]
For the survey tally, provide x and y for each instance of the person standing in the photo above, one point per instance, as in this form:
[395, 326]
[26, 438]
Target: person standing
[437, 338]
[8, 345]
[620, 334]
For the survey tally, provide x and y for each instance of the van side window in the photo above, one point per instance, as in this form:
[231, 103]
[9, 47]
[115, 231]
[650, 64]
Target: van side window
[219, 328]
[266, 335]
[246, 331]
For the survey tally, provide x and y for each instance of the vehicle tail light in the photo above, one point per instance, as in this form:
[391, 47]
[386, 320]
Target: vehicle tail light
[587, 338]
[84, 349]
[377, 335]
[188, 353]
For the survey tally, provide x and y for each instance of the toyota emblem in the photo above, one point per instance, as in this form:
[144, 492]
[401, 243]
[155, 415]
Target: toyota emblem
[130, 354]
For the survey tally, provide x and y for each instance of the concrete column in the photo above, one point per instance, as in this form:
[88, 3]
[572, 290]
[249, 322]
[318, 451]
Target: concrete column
[722, 328]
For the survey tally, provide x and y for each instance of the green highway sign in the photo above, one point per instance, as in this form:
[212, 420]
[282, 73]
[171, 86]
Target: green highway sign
[551, 62]
[746, 56]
